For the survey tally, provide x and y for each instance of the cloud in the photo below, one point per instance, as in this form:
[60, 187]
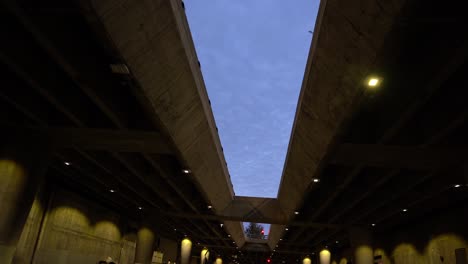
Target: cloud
[253, 56]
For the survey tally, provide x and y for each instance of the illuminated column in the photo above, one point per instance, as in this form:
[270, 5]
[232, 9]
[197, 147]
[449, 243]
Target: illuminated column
[343, 261]
[325, 256]
[144, 246]
[204, 256]
[185, 249]
[361, 243]
[306, 260]
[23, 161]
[219, 260]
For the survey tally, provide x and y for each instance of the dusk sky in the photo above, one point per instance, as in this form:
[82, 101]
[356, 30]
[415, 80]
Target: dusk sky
[253, 56]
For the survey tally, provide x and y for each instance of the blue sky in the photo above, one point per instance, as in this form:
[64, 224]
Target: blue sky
[253, 55]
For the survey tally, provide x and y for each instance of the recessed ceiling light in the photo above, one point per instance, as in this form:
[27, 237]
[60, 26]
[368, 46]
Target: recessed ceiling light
[209, 206]
[175, 229]
[67, 163]
[373, 224]
[404, 210]
[337, 241]
[281, 239]
[140, 208]
[296, 212]
[186, 171]
[112, 190]
[276, 245]
[457, 185]
[229, 235]
[233, 242]
[373, 82]
[316, 180]
[286, 229]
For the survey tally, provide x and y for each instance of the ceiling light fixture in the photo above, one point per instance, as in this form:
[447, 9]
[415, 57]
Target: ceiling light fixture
[373, 224]
[296, 212]
[186, 171]
[316, 180]
[229, 235]
[209, 206]
[405, 210]
[112, 190]
[457, 185]
[140, 208]
[373, 82]
[286, 229]
[67, 163]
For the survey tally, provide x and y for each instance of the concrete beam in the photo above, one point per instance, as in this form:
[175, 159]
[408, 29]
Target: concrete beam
[347, 40]
[104, 139]
[154, 41]
[397, 156]
[240, 218]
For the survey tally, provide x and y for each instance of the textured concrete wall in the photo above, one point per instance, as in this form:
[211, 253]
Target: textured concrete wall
[76, 230]
[432, 241]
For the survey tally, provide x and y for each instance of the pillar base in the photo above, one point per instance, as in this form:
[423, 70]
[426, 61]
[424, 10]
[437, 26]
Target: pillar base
[6, 254]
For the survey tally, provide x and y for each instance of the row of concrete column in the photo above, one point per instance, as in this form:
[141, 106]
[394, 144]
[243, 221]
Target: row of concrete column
[362, 252]
[144, 249]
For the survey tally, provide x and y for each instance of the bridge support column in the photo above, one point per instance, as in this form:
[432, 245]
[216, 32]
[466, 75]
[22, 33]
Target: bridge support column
[204, 256]
[325, 256]
[144, 246]
[361, 243]
[23, 162]
[185, 251]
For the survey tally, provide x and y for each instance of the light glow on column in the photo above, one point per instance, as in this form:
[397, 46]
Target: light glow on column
[219, 260]
[306, 260]
[204, 255]
[364, 255]
[185, 249]
[325, 256]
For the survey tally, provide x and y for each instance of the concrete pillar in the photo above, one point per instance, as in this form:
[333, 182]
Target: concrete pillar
[185, 251]
[361, 243]
[325, 256]
[204, 256]
[23, 161]
[169, 248]
[144, 246]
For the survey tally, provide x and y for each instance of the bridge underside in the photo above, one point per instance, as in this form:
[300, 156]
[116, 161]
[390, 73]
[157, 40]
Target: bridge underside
[110, 146]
